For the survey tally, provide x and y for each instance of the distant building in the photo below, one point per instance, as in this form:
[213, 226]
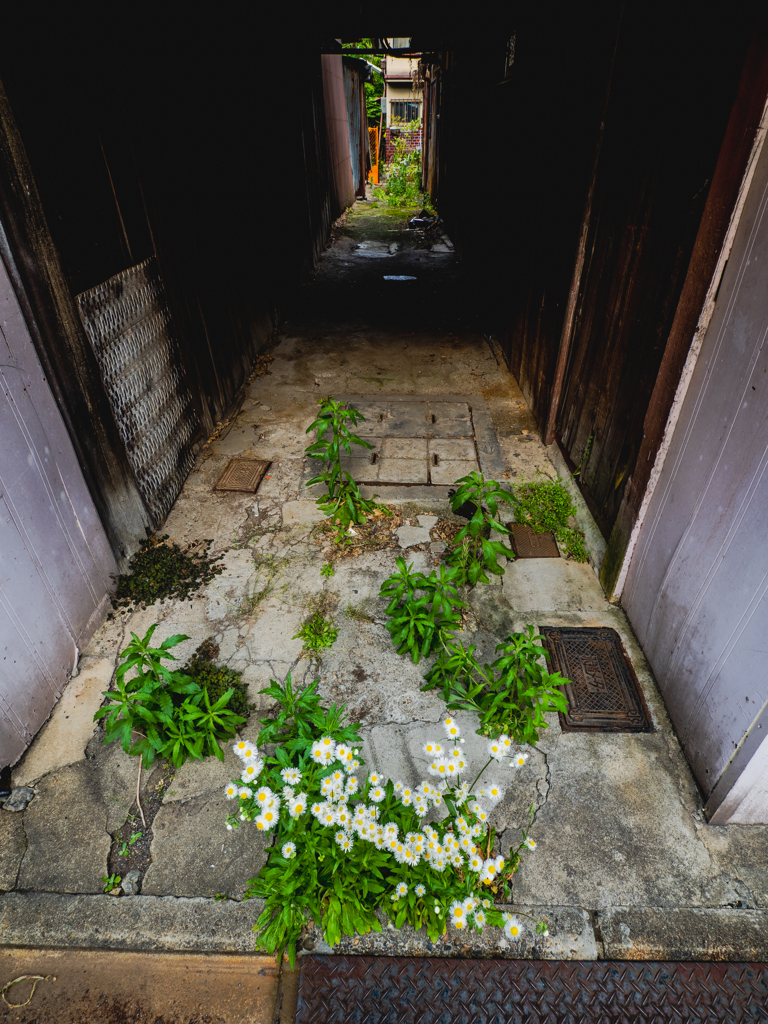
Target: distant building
[403, 96]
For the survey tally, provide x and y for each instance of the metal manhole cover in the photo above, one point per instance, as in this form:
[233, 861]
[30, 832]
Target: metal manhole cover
[603, 693]
[430, 990]
[242, 475]
[529, 544]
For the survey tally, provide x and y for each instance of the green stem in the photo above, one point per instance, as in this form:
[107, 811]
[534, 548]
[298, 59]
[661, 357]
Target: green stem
[480, 773]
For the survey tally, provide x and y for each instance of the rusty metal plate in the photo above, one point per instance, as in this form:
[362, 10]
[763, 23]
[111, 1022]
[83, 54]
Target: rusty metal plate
[529, 544]
[242, 475]
[604, 694]
[428, 990]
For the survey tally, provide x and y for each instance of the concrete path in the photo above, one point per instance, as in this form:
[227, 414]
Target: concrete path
[626, 864]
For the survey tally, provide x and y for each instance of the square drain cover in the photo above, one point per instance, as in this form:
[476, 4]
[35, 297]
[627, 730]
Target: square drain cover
[529, 544]
[242, 475]
[603, 692]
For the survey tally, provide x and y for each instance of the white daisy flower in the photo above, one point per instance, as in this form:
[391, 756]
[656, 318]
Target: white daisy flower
[291, 776]
[401, 889]
[249, 773]
[352, 786]
[519, 759]
[240, 746]
[374, 779]
[270, 816]
[480, 918]
[512, 927]
[231, 791]
[495, 750]
[490, 870]
[420, 890]
[289, 850]
[341, 752]
[425, 788]
[505, 742]
[298, 805]
[288, 792]
[345, 841]
[486, 903]
[430, 749]
[475, 862]
[451, 727]
[377, 794]
[317, 808]
[264, 795]
[399, 787]
[343, 817]
[456, 912]
[530, 843]
[246, 751]
[451, 766]
[244, 793]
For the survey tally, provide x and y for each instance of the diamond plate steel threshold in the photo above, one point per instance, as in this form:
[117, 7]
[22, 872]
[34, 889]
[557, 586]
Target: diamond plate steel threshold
[429, 990]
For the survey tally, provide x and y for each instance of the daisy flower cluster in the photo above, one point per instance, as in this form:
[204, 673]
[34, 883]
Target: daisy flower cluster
[349, 803]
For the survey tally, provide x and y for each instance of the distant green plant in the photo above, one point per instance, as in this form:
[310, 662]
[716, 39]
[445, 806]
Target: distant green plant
[159, 570]
[585, 455]
[111, 882]
[170, 713]
[343, 503]
[546, 505]
[317, 633]
[421, 608]
[474, 553]
[327, 570]
[402, 186]
[511, 695]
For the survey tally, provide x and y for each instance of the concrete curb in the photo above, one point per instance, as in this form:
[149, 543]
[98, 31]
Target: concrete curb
[142, 923]
[690, 933]
[198, 925]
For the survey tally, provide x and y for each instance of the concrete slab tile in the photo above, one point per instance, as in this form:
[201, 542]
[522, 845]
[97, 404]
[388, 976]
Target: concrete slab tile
[361, 469]
[301, 513]
[455, 449]
[448, 472]
[407, 418]
[403, 471]
[409, 536]
[451, 419]
[67, 840]
[13, 845]
[375, 423]
[63, 739]
[404, 448]
[552, 583]
[193, 854]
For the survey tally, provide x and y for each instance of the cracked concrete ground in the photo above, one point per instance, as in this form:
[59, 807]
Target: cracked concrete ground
[626, 865]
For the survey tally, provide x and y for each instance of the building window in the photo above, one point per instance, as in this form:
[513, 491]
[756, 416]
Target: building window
[403, 110]
[400, 44]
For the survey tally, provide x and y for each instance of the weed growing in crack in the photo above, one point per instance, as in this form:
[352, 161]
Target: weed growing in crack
[327, 570]
[514, 693]
[317, 634]
[343, 503]
[341, 864]
[111, 882]
[218, 679]
[170, 713]
[474, 554]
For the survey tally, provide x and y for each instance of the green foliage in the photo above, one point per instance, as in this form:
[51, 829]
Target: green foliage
[373, 90]
[402, 186]
[546, 505]
[111, 882]
[218, 679]
[327, 570]
[317, 633]
[170, 713]
[159, 570]
[341, 874]
[474, 554]
[343, 502]
[421, 608]
[512, 694]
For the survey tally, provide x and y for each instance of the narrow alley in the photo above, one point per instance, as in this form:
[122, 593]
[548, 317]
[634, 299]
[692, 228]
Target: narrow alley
[201, 276]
